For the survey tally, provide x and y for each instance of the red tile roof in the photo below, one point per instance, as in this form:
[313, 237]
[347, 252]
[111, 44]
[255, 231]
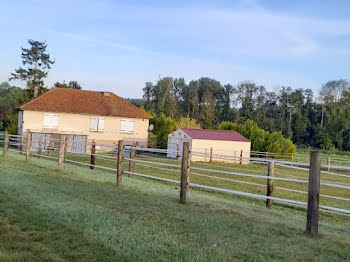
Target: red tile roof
[84, 102]
[208, 134]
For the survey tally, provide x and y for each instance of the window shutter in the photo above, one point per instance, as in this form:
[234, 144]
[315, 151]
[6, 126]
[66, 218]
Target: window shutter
[101, 124]
[93, 123]
[50, 121]
[131, 126]
[123, 127]
[46, 121]
[127, 126]
[54, 121]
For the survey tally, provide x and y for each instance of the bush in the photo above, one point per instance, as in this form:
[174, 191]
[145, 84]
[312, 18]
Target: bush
[163, 126]
[186, 122]
[262, 140]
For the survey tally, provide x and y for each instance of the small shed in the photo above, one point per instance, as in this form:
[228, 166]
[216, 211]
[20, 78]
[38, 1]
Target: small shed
[210, 145]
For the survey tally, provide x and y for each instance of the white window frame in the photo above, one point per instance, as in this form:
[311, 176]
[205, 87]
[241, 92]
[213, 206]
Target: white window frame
[50, 121]
[127, 126]
[98, 126]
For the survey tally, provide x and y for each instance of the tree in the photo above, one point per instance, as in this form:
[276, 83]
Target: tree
[207, 110]
[74, 85]
[38, 63]
[224, 102]
[11, 98]
[162, 92]
[163, 126]
[71, 85]
[148, 95]
[193, 99]
[186, 122]
[247, 92]
[60, 85]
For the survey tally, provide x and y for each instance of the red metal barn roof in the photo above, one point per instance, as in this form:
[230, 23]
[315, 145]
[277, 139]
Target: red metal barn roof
[209, 134]
[84, 102]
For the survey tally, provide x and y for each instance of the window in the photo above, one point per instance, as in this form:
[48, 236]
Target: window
[50, 121]
[127, 126]
[97, 124]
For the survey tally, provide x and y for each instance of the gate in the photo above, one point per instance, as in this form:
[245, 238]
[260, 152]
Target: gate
[35, 138]
[77, 144]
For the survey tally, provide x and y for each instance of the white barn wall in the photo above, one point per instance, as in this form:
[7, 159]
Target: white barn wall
[202, 146]
[220, 147]
[175, 143]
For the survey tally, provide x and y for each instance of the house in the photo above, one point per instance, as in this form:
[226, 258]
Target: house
[83, 116]
[210, 145]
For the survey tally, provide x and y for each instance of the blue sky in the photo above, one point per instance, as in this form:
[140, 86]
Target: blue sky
[119, 45]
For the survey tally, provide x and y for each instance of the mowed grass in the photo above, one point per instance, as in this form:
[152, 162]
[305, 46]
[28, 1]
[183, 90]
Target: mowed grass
[238, 181]
[341, 158]
[80, 215]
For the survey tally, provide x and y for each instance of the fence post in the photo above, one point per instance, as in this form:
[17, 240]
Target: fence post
[211, 155]
[50, 147]
[66, 145]
[185, 170]
[120, 162]
[240, 158]
[6, 144]
[92, 157]
[270, 173]
[329, 163]
[61, 152]
[40, 147]
[131, 162]
[21, 144]
[28, 146]
[313, 193]
[177, 152]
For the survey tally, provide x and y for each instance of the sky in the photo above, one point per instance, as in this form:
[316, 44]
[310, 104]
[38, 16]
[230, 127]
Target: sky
[117, 46]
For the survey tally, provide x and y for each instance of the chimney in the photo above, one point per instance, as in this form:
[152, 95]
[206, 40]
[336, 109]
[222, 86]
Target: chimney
[106, 93]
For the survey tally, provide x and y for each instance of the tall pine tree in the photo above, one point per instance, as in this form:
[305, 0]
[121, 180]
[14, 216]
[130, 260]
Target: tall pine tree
[37, 63]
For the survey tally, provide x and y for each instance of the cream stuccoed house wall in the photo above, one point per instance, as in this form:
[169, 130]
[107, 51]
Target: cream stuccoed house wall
[79, 124]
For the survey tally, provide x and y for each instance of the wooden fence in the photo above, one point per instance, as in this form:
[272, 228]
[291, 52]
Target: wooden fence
[314, 180]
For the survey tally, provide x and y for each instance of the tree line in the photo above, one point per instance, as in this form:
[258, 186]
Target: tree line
[318, 120]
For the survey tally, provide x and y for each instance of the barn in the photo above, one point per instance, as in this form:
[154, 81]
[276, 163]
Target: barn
[210, 145]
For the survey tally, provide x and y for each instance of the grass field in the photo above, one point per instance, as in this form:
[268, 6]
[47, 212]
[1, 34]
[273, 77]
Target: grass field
[80, 215]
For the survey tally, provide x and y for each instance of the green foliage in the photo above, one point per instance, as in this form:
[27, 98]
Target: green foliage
[11, 98]
[322, 123]
[71, 85]
[263, 141]
[163, 126]
[38, 63]
[136, 102]
[186, 122]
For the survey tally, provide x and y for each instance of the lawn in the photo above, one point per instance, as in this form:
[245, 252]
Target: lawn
[80, 215]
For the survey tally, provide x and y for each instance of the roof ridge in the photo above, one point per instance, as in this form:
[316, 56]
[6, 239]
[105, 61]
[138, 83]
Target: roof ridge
[84, 102]
[209, 129]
